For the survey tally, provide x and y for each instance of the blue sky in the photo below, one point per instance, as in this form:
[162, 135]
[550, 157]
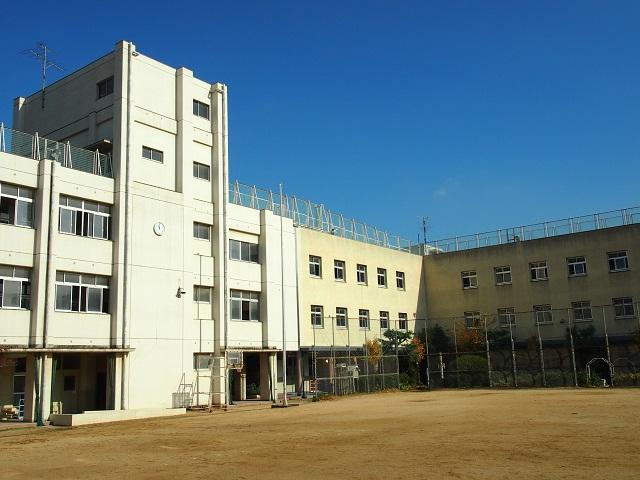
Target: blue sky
[480, 115]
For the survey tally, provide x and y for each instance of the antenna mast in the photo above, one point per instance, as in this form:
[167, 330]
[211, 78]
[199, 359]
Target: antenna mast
[43, 54]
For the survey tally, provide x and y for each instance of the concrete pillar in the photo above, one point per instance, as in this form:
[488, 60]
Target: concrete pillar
[218, 390]
[299, 384]
[33, 368]
[242, 394]
[46, 370]
[267, 375]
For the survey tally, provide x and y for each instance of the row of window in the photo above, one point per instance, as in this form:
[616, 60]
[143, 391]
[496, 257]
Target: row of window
[340, 273]
[543, 314]
[539, 271]
[342, 318]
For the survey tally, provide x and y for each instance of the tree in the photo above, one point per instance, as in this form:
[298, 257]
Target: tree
[439, 341]
[374, 352]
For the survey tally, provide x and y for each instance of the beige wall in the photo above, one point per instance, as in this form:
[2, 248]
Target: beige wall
[447, 299]
[329, 293]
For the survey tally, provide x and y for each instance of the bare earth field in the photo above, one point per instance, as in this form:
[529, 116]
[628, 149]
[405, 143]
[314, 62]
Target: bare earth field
[503, 434]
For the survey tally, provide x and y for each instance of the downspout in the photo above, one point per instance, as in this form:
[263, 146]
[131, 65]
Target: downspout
[127, 242]
[295, 240]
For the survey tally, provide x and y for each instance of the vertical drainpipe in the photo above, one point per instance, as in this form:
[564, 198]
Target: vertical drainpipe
[127, 241]
[295, 239]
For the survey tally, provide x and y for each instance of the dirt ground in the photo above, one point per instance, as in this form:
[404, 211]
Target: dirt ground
[502, 434]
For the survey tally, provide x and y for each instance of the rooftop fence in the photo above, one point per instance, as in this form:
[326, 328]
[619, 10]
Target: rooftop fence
[586, 223]
[38, 148]
[316, 216]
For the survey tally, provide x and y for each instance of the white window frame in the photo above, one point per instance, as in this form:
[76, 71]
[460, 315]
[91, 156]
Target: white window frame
[537, 270]
[621, 307]
[21, 276]
[472, 320]
[201, 171]
[342, 317]
[503, 275]
[469, 279]
[618, 261]
[543, 314]
[315, 266]
[384, 320]
[401, 284]
[382, 277]
[363, 319]
[85, 283]
[506, 316]
[24, 195]
[201, 109]
[83, 210]
[339, 271]
[242, 297]
[199, 228]
[317, 316]
[202, 294]
[581, 311]
[403, 322]
[361, 274]
[577, 263]
[244, 251]
[152, 154]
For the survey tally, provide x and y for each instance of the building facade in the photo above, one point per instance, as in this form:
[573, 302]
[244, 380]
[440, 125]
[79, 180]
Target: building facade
[133, 273]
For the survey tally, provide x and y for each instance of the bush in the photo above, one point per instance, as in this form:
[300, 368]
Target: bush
[583, 380]
[406, 381]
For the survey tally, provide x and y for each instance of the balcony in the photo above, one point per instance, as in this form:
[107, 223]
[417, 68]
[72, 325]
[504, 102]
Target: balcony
[38, 148]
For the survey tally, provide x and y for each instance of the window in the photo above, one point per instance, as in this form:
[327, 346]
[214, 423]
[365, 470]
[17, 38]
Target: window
[469, 279]
[384, 320]
[403, 323]
[152, 154]
[201, 171]
[577, 266]
[582, 311]
[341, 317]
[623, 307]
[382, 277]
[245, 305]
[363, 319]
[201, 231]
[202, 361]
[201, 294]
[16, 205]
[200, 109]
[400, 280]
[338, 270]
[104, 87]
[503, 275]
[361, 274]
[507, 316]
[472, 319]
[243, 251]
[77, 292]
[15, 287]
[538, 271]
[542, 314]
[317, 316]
[84, 218]
[315, 266]
[618, 261]
[69, 383]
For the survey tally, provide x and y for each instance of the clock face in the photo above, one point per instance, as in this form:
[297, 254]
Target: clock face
[158, 228]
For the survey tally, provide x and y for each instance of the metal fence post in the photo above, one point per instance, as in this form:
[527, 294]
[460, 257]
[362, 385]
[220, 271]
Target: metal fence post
[486, 339]
[455, 345]
[541, 355]
[426, 350]
[573, 351]
[513, 355]
[606, 339]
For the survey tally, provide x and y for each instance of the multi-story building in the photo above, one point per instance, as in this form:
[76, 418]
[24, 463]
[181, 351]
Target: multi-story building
[132, 270]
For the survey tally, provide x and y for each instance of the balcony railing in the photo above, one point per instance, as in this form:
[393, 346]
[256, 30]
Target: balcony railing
[38, 148]
[597, 221]
[315, 216]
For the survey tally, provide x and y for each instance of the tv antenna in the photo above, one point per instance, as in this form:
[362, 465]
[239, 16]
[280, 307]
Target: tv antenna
[42, 53]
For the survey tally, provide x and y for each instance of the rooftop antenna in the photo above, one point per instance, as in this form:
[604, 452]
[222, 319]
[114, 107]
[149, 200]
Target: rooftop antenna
[43, 54]
[425, 220]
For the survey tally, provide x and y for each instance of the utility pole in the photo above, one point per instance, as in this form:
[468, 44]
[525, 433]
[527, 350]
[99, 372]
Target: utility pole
[43, 54]
[426, 316]
[284, 320]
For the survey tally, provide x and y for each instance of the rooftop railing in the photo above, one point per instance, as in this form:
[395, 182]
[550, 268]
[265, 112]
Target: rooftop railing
[597, 221]
[38, 148]
[316, 216]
